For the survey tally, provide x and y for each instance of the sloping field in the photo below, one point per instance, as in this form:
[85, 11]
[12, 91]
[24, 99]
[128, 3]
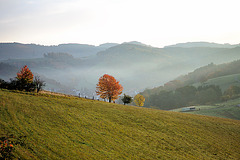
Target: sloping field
[223, 82]
[229, 109]
[58, 127]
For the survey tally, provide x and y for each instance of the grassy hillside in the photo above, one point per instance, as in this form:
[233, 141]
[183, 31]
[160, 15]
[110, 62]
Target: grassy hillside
[58, 127]
[227, 109]
[223, 82]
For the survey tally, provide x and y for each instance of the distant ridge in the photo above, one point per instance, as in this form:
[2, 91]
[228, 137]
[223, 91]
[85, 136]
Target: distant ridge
[132, 62]
[28, 51]
[23, 51]
[108, 45]
[136, 43]
[203, 44]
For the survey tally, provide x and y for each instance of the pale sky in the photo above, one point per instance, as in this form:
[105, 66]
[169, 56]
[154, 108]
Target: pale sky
[153, 22]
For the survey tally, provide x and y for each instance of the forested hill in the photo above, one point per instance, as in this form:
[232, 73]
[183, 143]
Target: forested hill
[205, 85]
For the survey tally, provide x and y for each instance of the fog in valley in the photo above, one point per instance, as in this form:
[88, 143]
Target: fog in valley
[135, 65]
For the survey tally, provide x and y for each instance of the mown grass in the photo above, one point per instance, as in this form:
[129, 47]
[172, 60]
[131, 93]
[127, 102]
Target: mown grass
[229, 109]
[60, 127]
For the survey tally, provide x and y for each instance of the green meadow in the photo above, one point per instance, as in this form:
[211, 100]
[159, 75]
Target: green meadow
[61, 127]
[229, 109]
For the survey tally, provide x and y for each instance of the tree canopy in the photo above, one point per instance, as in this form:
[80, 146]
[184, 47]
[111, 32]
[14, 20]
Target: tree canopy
[139, 100]
[127, 99]
[185, 96]
[25, 75]
[25, 79]
[108, 88]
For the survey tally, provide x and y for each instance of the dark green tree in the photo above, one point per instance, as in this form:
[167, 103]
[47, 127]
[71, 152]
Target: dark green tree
[208, 94]
[127, 99]
[185, 95]
[231, 93]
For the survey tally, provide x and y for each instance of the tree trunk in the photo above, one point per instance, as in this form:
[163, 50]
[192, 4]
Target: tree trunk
[110, 99]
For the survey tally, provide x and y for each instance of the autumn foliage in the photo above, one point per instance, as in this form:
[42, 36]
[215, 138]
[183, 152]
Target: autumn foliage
[108, 87]
[139, 100]
[7, 143]
[6, 148]
[25, 75]
[25, 80]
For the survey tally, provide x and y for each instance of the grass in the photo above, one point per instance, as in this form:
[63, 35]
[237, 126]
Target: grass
[227, 109]
[59, 127]
[223, 82]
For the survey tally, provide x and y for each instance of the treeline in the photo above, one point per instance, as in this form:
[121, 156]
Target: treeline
[25, 81]
[210, 71]
[190, 95]
[167, 96]
[62, 56]
[199, 75]
[49, 60]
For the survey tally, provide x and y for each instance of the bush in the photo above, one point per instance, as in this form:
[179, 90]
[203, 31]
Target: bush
[127, 99]
[7, 144]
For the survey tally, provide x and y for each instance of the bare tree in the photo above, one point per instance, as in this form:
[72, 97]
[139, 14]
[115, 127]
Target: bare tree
[39, 83]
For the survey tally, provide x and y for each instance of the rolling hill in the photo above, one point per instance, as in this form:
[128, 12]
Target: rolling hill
[137, 66]
[203, 44]
[26, 51]
[60, 127]
[205, 85]
[229, 109]
[224, 82]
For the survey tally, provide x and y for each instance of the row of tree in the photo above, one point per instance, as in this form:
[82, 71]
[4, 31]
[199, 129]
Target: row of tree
[138, 99]
[63, 56]
[190, 95]
[108, 87]
[24, 81]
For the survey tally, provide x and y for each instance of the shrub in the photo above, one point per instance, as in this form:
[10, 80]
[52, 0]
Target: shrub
[7, 144]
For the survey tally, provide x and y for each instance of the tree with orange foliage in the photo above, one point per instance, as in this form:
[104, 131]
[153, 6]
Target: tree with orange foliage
[109, 88]
[25, 75]
[25, 78]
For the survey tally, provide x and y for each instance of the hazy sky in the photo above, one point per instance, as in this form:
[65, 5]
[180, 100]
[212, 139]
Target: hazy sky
[153, 22]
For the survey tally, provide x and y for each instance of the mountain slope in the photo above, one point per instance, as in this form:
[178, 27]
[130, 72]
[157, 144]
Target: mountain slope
[59, 127]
